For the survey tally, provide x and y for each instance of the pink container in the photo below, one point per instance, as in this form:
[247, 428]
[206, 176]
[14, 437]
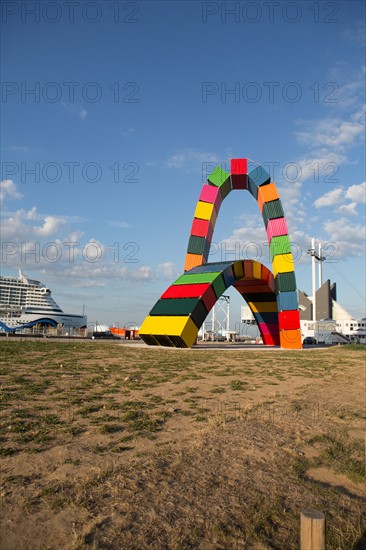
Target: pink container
[211, 193]
[268, 328]
[276, 227]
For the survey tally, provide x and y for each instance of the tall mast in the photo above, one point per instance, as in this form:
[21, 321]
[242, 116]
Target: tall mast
[320, 265]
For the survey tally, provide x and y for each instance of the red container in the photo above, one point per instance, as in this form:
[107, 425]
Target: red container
[209, 298]
[239, 173]
[289, 320]
[248, 268]
[199, 290]
[276, 228]
[211, 193]
[186, 291]
[202, 228]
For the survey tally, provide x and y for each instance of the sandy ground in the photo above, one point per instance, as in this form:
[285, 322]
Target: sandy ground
[117, 446]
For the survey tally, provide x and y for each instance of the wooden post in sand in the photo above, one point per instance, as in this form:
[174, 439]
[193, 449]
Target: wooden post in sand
[312, 530]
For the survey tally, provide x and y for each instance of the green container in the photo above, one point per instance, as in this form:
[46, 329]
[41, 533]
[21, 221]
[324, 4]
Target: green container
[285, 282]
[272, 210]
[198, 245]
[220, 178]
[279, 245]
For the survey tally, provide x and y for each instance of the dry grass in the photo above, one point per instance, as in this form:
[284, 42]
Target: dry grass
[107, 446]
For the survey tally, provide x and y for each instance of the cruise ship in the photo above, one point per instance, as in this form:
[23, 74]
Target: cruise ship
[25, 303]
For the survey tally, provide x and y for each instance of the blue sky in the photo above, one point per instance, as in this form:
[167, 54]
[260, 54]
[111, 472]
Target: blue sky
[134, 102]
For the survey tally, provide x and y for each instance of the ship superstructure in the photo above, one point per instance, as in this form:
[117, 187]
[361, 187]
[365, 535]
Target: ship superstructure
[26, 302]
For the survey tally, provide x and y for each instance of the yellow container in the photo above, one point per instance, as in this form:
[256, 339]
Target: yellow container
[257, 270]
[263, 307]
[238, 270]
[283, 263]
[205, 211]
[182, 326]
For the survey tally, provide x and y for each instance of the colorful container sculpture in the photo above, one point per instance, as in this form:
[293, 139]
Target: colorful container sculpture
[272, 297]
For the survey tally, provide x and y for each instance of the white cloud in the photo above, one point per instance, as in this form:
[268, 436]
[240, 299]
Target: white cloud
[338, 195]
[191, 160]
[333, 133]
[356, 34]
[75, 110]
[17, 148]
[357, 193]
[335, 196]
[51, 226]
[348, 238]
[348, 209]
[122, 225]
[166, 270]
[128, 132]
[9, 189]
[319, 167]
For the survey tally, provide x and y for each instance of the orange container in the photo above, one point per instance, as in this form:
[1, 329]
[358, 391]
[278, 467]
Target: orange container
[267, 193]
[193, 260]
[290, 339]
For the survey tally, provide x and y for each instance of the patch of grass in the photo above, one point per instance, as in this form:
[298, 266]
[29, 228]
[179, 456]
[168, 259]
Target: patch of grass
[354, 347]
[110, 428]
[238, 385]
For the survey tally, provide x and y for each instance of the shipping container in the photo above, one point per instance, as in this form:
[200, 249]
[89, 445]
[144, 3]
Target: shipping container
[266, 317]
[261, 296]
[276, 227]
[221, 179]
[289, 320]
[285, 282]
[269, 328]
[226, 269]
[239, 173]
[287, 301]
[193, 260]
[262, 307]
[193, 307]
[257, 270]
[267, 193]
[272, 210]
[259, 176]
[202, 228]
[290, 339]
[211, 193]
[198, 245]
[181, 326]
[279, 245]
[283, 263]
[216, 279]
[206, 211]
